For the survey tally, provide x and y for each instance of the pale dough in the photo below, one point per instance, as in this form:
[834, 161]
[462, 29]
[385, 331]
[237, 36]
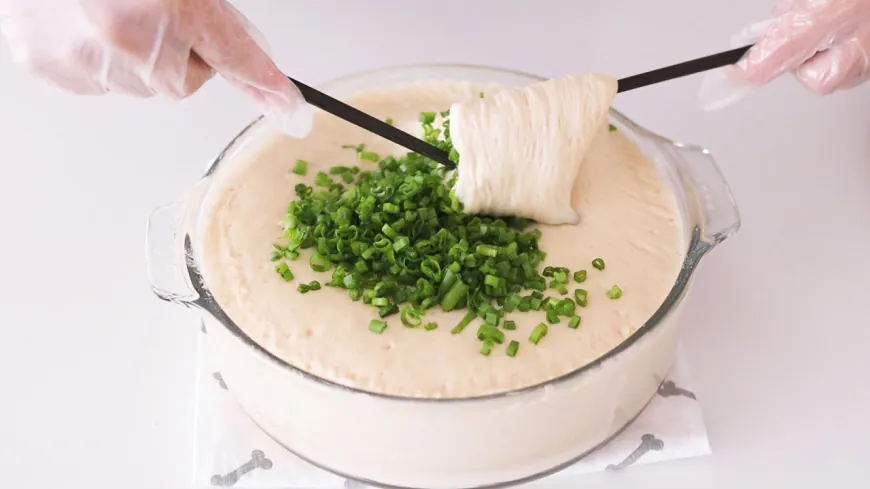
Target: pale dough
[521, 149]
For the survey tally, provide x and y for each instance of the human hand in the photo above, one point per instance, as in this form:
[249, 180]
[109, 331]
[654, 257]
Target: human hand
[148, 47]
[824, 43]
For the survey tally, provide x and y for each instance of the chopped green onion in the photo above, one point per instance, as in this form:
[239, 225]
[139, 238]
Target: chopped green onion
[512, 348]
[598, 263]
[368, 155]
[580, 276]
[574, 322]
[486, 348]
[491, 333]
[552, 315]
[481, 94]
[396, 238]
[357, 147]
[463, 323]
[284, 271]
[611, 127]
[322, 180]
[389, 121]
[305, 288]
[539, 332]
[430, 326]
[319, 263]
[581, 297]
[410, 317]
[525, 305]
[565, 307]
[615, 292]
[300, 167]
[427, 117]
[377, 326]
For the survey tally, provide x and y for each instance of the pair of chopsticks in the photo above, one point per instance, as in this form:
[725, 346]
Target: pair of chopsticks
[402, 138]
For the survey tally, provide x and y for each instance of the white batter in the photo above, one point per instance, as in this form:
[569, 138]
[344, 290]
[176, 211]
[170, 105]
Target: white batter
[627, 216]
[521, 148]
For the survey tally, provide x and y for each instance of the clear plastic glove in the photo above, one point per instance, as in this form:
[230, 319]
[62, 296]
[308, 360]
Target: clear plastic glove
[148, 47]
[824, 43]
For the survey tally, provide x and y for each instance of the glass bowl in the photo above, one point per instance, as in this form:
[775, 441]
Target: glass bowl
[393, 441]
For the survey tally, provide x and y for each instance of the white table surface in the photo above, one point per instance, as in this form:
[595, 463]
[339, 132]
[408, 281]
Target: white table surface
[97, 374]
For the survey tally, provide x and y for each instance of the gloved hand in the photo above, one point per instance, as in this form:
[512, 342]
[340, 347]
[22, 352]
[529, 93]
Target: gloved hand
[824, 43]
[148, 47]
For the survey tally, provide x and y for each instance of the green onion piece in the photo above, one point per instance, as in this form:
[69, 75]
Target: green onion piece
[322, 180]
[509, 325]
[512, 302]
[574, 322]
[615, 292]
[486, 348]
[427, 117]
[377, 326]
[380, 301]
[277, 255]
[481, 94]
[303, 288]
[300, 167]
[598, 263]
[552, 315]
[454, 296]
[487, 250]
[357, 147]
[611, 127]
[490, 333]
[565, 307]
[581, 297]
[430, 326]
[525, 305]
[536, 304]
[410, 317]
[319, 263]
[548, 272]
[368, 155]
[491, 318]
[388, 310]
[560, 277]
[283, 270]
[539, 332]
[463, 323]
[512, 348]
[580, 276]
[390, 122]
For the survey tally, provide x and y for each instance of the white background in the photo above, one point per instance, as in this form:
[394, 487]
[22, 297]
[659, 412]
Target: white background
[97, 374]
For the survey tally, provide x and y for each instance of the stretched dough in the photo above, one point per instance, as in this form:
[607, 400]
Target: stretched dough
[521, 148]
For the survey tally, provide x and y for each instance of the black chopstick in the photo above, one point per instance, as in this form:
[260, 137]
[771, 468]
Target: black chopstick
[682, 69]
[359, 118]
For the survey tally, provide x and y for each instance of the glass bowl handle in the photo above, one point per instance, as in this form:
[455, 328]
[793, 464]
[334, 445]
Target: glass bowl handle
[718, 214]
[166, 258]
